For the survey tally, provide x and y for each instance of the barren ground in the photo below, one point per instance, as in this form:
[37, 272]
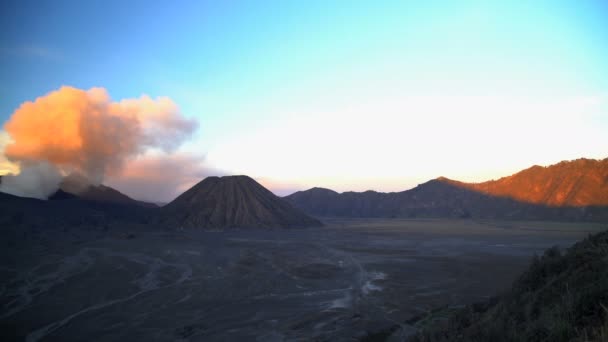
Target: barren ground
[339, 282]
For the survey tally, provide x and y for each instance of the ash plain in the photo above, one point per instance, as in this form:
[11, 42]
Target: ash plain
[344, 281]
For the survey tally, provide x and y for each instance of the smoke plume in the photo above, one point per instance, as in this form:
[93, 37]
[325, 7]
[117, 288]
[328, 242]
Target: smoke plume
[84, 131]
[38, 180]
[145, 178]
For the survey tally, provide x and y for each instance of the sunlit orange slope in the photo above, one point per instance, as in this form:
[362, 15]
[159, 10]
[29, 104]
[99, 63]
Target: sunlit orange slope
[577, 183]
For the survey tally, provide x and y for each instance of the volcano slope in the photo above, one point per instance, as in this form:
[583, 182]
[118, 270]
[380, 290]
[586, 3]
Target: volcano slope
[233, 202]
[78, 186]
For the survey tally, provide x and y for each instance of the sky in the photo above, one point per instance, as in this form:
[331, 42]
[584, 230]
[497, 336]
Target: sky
[348, 95]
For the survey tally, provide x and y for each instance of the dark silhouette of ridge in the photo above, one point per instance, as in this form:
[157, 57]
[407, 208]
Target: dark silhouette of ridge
[66, 211]
[535, 193]
[214, 203]
[61, 195]
[79, 186]
[233, 202]
[102, 193]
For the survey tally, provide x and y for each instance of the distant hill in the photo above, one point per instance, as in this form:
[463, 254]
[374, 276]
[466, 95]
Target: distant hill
[558, 298]
[61, 195]
[233, 202]
[214, 203]
[576, 190]
[577, 183]
[67, 211]
[102, 193]
[77, 185]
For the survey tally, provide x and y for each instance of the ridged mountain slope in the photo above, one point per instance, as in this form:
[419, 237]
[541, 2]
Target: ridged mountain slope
[576, 190]
[233, 202]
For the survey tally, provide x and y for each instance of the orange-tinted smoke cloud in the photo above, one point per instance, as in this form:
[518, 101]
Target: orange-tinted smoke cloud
[160, 178]
[84, 131]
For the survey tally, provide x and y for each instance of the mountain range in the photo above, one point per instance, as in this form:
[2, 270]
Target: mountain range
[214, 203]
[571, 190]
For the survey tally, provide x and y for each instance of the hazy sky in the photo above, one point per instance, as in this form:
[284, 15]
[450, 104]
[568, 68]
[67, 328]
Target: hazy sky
[350, 95]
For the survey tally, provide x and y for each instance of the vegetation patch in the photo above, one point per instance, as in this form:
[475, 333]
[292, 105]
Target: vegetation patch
[560, 297]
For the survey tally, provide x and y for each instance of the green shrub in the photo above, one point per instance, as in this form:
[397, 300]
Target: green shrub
[560, 297]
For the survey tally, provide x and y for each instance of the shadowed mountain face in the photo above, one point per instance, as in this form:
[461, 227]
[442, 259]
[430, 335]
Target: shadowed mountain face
[80, 187]
[214, 203]
[102, 193]
[233, 202]
[574, 190]
[66, 211]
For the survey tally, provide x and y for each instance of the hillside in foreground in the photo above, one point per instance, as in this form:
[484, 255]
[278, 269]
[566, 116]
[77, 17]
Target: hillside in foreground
[558, 298]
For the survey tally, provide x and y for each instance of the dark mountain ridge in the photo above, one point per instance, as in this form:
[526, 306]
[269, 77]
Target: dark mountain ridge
[67, 211]
[214, 203]
[79, 186]
[576, 190]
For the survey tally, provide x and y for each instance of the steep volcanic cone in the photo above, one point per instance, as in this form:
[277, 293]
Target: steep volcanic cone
[233, 202]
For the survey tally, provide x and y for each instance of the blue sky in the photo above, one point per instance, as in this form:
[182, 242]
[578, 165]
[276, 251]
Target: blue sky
[342, 94]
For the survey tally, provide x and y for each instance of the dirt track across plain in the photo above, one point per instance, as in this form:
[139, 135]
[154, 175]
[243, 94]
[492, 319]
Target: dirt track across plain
[339, 282]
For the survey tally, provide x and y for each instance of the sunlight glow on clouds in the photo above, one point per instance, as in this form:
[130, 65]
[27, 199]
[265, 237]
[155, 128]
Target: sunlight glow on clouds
[84, 131]
[6, 166]
[160, 177]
